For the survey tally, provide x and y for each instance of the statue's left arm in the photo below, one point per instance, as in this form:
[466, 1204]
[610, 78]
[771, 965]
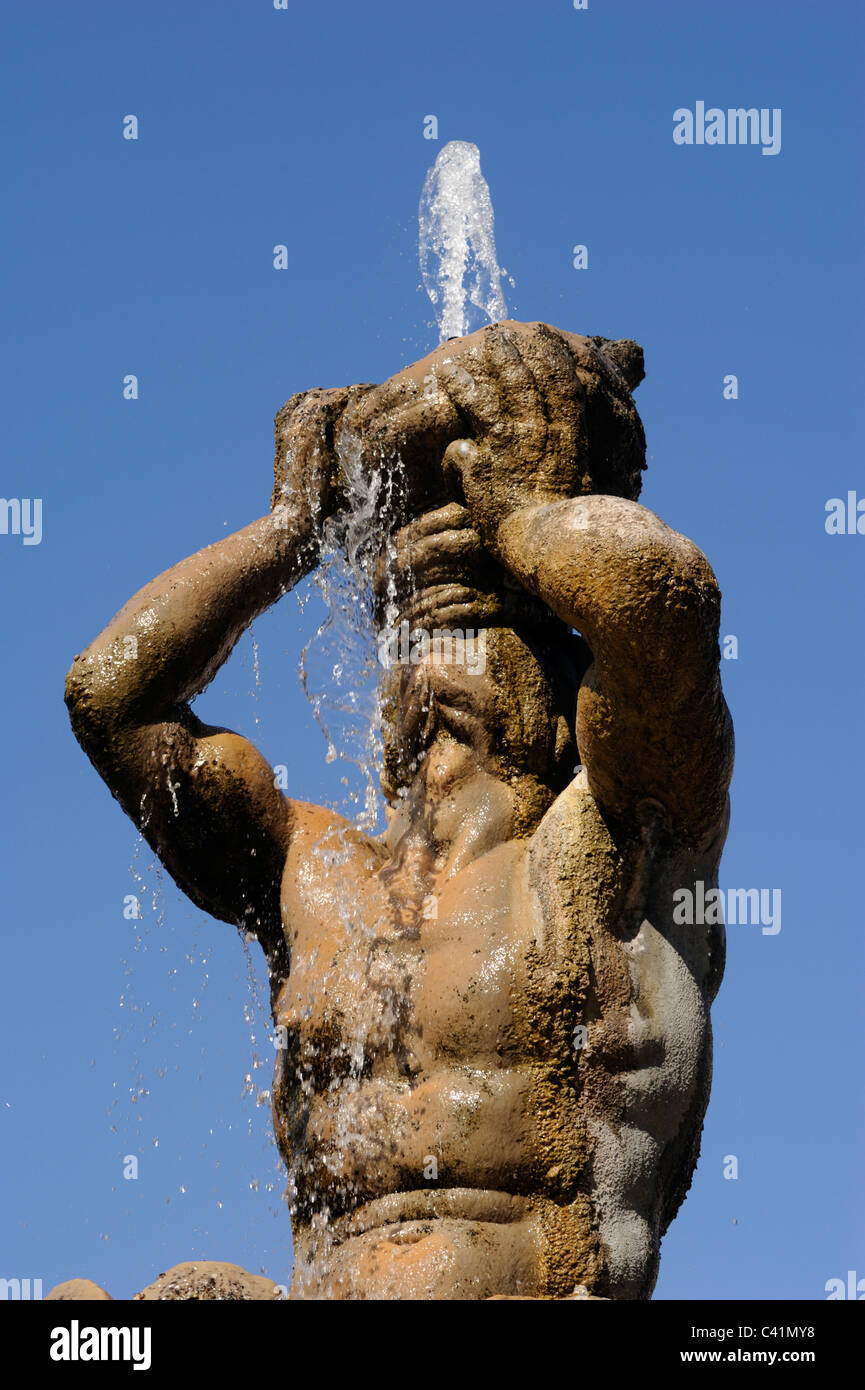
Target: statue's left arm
[651, 718]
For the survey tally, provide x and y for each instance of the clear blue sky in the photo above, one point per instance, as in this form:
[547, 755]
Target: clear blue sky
[154, 257]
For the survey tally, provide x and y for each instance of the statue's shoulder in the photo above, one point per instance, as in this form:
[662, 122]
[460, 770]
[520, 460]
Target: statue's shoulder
[323, 839]
[573, 833]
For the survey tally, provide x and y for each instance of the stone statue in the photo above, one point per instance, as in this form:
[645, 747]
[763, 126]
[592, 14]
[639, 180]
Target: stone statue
[496, 1048]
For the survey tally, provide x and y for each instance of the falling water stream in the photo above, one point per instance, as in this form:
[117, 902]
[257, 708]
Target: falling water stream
[338, 668]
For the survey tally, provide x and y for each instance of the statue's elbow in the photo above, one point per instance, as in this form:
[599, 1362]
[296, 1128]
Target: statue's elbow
[704, 575]
[695, 585]
[88, 710]
[75, 696]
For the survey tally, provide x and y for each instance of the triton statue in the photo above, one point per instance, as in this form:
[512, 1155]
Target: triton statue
[496, 1043]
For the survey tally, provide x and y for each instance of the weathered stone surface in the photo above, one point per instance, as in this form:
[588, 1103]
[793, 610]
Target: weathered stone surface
[209, 1281]
[497, 1051]
[77, 1290]
[580, 1295]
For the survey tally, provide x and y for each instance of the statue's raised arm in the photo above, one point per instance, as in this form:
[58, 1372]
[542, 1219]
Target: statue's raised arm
[651, 718]
[204, 797]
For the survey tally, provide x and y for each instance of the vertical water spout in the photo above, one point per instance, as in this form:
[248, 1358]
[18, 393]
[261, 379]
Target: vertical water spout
[457, 245]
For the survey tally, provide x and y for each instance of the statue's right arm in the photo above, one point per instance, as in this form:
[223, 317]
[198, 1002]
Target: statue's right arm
[202, 796]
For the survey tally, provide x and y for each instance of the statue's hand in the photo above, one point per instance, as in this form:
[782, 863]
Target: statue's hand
[307, 483]
[518, 387]
[400, 430]
[496, 419]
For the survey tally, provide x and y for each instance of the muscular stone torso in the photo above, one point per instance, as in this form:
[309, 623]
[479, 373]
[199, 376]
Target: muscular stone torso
[449, 1132]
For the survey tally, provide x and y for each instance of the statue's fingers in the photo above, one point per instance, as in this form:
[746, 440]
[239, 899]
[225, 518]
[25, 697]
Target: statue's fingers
[448, 547]
[560, 400]
[292, 430]
[448, 526]
[305, 423]
[555, 370]
[403, 415]
[465, 467]
[461, 458]
[473, 387]
[450, 517]
[305, 464]
[506, 351]
[313, 410]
